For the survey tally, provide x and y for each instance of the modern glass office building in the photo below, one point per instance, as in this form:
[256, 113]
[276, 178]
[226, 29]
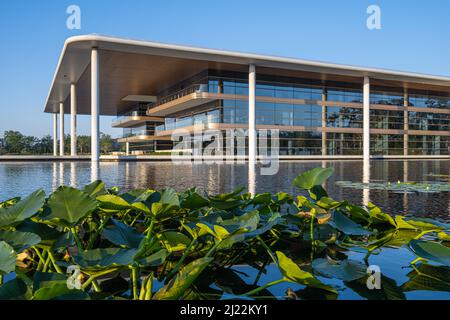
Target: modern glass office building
[320, 109]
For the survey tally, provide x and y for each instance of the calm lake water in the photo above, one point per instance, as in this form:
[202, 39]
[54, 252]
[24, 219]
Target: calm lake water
[23, 178]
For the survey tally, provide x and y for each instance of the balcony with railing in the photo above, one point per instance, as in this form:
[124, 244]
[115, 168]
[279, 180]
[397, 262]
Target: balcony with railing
[133, 118]
[173, 124]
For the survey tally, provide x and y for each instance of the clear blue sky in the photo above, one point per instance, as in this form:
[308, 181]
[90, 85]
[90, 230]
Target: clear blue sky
[414, 37]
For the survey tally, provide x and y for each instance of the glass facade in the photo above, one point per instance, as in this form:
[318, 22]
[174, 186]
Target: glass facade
[299, 104]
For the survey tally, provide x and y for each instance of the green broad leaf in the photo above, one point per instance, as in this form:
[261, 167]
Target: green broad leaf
[432, 251]
[60, 292]
[15, 289]
[19, 240]
[105, 258]
[9, 202]
[244, 223]
[357, 214]
[194, 201]
[402, 224]
[177, 287]
[328, 203]
[121, 234]
[376, 216]
[315, 177]
[395, 238]
[240, 237]
[444, 236]
[170, 197]
[95, 189]
[23, 209]
[216, 231]
[228, 204]
[47, 280]
[113, 202]
[347, 226]
[7, 258]
[317, 192]
[428, 278]
[140, 206]
[262, 198]
[147, 247]
[426, 224]
[174, 241]
[154, 260]
[227, 196]
[68, 206]
[292, 272]
[49, 236]
[347, 270]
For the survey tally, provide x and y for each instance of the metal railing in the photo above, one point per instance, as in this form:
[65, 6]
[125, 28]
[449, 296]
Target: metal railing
[134, 113]
[181, 93]
[186, 122]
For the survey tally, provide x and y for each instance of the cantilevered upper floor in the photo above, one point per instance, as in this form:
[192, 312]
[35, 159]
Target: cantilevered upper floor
[143, 68]
[103, 75]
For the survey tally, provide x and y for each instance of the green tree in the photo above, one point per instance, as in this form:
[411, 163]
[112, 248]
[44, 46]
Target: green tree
[83, 144]
[106, 143]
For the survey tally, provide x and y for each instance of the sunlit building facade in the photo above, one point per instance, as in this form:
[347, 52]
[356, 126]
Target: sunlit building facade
[319, 109]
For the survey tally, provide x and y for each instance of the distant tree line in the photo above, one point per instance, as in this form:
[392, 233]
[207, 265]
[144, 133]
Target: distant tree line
[14, 142]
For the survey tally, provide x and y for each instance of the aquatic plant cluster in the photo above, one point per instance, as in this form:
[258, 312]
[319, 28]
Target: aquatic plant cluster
[99, 243]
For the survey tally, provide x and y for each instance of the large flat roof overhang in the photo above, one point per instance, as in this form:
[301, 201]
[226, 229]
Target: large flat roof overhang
[143, 68]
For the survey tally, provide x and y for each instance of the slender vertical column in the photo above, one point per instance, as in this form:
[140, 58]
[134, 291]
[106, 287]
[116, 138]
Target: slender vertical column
[324, 122]
[95, 105]
[73, 120]
[61, 129]
[405, 124]
[55, 134]
[127, 148]
[252, 114]
[366, 119]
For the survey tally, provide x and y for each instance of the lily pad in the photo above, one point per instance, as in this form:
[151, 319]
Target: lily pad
[432, 251]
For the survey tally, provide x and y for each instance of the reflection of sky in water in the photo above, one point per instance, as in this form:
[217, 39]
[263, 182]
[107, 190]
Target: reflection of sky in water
[23, 178]
[393, 263]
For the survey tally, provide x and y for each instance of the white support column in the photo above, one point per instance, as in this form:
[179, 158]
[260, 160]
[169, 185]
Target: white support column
[324, 122]
[61, 129]
[252, 114]
[405, 124]
[366, 119]
[127, 148]
[55, 134]
[95, 105]
[73, 120]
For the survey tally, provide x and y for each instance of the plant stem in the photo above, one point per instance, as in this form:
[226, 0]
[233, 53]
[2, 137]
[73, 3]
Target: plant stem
[148, 290]
[41, 259]
[213, 248]
[143, 287]
[52, 258]
[183, 257]
[44, 269]
[134, 277]
[150, 229]
[77, 240]
[96, 275]
[267, 285]
[135, 219]
[98, 231]
[269, 251]
[96, 286]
